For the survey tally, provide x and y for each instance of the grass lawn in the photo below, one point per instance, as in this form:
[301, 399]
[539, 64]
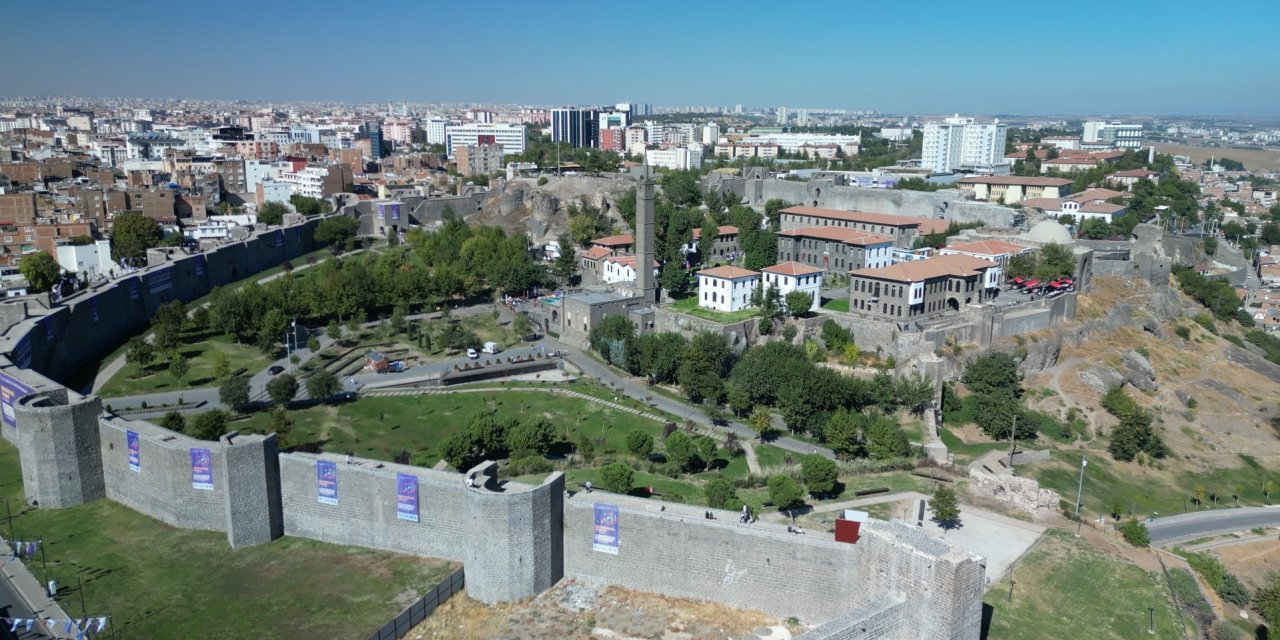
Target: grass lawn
[1143, 490]
[690, 306]
[383, 428]
[836, 304]
[1056, 595]
[160, 582]
[199, 356]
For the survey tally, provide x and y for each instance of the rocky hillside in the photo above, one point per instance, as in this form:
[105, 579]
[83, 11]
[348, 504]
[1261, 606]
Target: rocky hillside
[521, 205]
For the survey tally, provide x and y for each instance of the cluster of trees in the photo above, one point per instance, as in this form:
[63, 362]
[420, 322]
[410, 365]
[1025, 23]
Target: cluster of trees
[166, 326]
[131, 235]
[841, 410]
[457, 261]
[540, 150]
[272, 212]
[918, 184]
[1215, 294]
[1134, 437]
[206, 425]
[336, 230]
[586, 223]
[995, 399]
[1051, 261]
[489, 437]
[40, 270]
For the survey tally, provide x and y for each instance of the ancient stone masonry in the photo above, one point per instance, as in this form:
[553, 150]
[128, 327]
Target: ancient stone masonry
[1023, 494]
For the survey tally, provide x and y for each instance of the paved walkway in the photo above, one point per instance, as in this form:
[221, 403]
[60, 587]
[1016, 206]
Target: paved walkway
[753, 464]
[22, 596]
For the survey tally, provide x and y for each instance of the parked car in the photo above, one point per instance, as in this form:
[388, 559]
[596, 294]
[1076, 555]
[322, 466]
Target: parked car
[275, 370]
[471, 353]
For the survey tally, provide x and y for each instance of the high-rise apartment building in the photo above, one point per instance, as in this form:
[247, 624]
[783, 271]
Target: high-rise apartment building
[510, 136]
[578, 127]
[482, 159]
[435, 130]
[1116, 134]
[962, 144]
[613, 139]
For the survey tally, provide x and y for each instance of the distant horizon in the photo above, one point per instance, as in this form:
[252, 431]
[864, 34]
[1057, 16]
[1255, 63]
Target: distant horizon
[1000, 56]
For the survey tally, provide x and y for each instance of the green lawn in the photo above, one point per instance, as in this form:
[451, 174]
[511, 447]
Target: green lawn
[199, 354]
[160, 582]
[1064, 588]
[836, 304]
[1142, 490]
[690, 306]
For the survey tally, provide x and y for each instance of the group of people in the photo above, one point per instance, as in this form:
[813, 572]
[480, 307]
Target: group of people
[791, 529]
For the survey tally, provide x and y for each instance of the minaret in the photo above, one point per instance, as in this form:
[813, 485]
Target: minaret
[644, 240]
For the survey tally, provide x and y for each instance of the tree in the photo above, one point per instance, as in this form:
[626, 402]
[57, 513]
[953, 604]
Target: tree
[721, 493]
[785, 493]
[626, 206]
[531, 437]
[995, 371]
[272, 212]
[846, 434]
[209, 425]
[281, 425]
[915, 393]
[1135, 533]
[1267, 599]
[566, 264]
[773, 212]
[179, 367]
[706, 449]
[167, 325]
[885, 440]
[522, 325]
[1096, 229]
[681, 452]
[234, 393]
[462, 450]
[334, 330]
[40, 270]
[140, 353]
[322, 385]
[835, 336]
[282, 389]
[617, 477]
[798, 303]
[221, 366]
[174, 421]
[1055, 261]
[707, 239]
[995, 413]
[761, 420]
[820, 474]
[131, 235]
[680, 188]
[640, 443]
[336, 230]
[946, 511]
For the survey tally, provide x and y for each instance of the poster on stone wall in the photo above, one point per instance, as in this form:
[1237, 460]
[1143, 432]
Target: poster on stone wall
[21, 354]
[605, 533]
[93, 308]
[135, 289]
[135, 451]
[201, 469]
[200, 266]
[327, 482]
[10, 390]
[160, 281]
[407, 497]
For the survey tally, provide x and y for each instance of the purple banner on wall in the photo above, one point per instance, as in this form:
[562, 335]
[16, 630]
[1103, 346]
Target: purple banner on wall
[407, 497]
[279, 237]
[135, 288]
[93, 308]
[21, 354]
[605, 534]
[48, 329]
[327, 482]
[200, 266]
[10, 390]
[201, 469]
[135, 451]
[160, 281]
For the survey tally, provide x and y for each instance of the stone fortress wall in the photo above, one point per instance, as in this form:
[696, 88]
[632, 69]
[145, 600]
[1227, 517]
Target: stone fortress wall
[514, 540]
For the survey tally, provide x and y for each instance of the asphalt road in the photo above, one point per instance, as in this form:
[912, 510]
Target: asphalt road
[11, 606]
[1198, 524]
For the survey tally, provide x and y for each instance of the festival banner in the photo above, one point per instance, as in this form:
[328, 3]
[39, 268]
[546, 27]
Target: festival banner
[200, 266]
[135, 288]
[201, 469]
[160, 281]
[93, 308]
[407, 497]
[10, 390]
[279, 237]
[327, 481]
[605, 536]
[135, 451]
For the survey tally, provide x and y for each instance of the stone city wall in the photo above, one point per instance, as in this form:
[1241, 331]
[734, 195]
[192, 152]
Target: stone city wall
[876, 620]
[162, 487]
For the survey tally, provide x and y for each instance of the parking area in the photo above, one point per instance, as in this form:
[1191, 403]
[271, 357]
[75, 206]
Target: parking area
[1000, 539]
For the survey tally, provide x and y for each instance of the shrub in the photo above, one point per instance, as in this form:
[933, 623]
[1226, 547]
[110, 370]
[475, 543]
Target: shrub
[542, 181]
[529, 465]
[174, 421]
[789, 332]
[1135, 533]
[720, 493]
[617, 477]
[640, 443]
[784, 492]
[1182, 332]
[820, 474]
[532, 437]
[682, 452]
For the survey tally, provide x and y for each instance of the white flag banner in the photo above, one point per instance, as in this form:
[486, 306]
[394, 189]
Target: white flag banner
[102, 623]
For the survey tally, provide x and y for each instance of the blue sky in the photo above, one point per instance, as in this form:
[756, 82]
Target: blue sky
[1081, 57]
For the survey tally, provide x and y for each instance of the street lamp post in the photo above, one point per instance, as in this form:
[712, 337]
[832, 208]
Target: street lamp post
[1084, 462]
[1151, 620]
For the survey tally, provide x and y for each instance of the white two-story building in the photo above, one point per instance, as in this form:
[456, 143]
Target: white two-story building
[793, 276]
[726, 288]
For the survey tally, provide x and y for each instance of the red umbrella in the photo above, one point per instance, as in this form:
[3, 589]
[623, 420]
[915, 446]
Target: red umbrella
[1017, 279]
[1032, 283]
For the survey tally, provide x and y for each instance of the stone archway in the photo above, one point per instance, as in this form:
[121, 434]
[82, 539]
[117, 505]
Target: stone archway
[953, 304]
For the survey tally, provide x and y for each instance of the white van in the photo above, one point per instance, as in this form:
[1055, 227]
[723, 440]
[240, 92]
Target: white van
[492, 347]
[471, 353]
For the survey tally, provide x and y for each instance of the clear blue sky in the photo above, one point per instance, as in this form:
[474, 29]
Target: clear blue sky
[1029, 56]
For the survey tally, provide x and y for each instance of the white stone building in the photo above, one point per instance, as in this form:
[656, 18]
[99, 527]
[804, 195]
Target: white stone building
[726, 288]
[793, 276]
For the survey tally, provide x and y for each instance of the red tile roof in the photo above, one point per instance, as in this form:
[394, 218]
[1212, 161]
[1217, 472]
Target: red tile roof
[839, 234]
[792, 269]
[1026, 181]
[924, 225]
[725, 230]
[615, 241]
[627, 261]
[919, 270]
[595, 253]
[728, 272]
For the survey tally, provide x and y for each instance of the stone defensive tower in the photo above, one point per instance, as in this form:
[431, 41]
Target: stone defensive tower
[61, 458]
[645, 286]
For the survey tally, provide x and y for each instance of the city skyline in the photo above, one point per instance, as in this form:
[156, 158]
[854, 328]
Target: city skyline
[1003, 57]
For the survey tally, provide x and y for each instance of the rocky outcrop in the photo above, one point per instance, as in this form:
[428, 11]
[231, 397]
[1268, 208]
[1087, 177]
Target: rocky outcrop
[1102, 379]
[1138, 371]
[1152, 326]
[524, 206]
[1040, 355]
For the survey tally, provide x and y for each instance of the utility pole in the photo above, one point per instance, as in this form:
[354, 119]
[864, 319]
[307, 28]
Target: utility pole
[80, 588]
[1084, 462]
[1151, 620]
[44, 562]
[1013, 441]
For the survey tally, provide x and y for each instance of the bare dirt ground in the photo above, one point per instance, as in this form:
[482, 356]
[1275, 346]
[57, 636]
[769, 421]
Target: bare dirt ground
[1252, 158]
[1251, 561]
[574, 611]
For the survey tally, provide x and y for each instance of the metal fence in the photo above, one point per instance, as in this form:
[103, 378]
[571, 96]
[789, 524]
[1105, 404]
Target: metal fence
[417, 612]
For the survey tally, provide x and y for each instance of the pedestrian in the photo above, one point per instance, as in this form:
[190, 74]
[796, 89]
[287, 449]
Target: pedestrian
[587, 486]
